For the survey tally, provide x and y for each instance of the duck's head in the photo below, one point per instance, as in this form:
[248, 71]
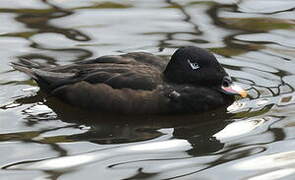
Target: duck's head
[196, 66]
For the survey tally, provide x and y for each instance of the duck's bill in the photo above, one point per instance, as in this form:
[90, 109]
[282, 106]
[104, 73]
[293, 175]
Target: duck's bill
[234, 89]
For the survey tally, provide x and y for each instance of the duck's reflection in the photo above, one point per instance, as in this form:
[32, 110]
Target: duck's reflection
[115, 129]
[190, 134]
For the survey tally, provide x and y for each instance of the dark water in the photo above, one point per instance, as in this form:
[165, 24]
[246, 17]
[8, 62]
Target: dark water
[41, 138]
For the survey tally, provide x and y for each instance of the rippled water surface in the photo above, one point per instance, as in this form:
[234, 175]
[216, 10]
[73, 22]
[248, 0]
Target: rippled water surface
[42, 138]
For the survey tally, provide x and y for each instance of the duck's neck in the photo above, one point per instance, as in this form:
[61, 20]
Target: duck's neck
[172, 72]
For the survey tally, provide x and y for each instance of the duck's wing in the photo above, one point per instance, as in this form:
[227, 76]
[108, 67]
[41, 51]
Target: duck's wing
[116, 73]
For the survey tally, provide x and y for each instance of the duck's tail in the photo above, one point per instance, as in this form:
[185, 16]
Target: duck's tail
[40, 72]
[34, 70]
[27, 66]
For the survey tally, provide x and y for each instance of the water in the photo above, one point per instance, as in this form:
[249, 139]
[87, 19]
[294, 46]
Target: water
[42, 138]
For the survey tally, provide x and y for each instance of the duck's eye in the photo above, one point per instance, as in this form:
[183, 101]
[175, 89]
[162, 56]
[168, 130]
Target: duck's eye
[193, 65]
[226, 82]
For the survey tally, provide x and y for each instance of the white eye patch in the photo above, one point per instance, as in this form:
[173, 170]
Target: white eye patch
[193, 65]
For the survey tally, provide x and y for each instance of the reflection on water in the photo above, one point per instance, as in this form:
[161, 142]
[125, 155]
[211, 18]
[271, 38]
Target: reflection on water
[44, 138]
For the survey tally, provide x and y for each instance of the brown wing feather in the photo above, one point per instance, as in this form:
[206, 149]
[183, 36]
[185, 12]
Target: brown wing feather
[134, 77]
[134, 70]
[119, 76]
